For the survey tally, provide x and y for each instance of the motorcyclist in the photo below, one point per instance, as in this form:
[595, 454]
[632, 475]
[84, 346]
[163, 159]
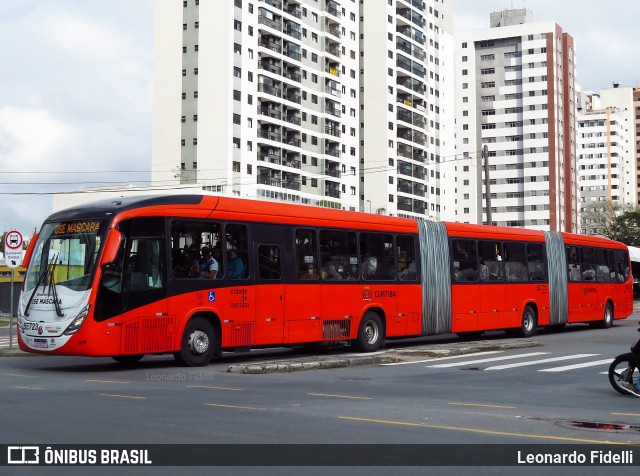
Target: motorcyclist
[634, 363]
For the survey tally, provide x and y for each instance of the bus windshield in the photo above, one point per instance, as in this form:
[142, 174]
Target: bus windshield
[66, 254]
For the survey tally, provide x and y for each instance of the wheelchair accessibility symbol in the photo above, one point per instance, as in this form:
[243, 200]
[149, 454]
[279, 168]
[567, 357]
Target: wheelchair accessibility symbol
[212, 296]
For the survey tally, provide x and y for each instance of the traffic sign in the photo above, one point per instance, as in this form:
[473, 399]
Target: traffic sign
[13, 248]
[13, 240]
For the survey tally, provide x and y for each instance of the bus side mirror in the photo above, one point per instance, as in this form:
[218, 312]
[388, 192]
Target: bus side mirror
[29, 252]
[111, 246]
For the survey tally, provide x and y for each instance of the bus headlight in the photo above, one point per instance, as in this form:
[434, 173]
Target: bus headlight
[78, 321]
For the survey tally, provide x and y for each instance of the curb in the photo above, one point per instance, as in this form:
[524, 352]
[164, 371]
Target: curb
[387, 357]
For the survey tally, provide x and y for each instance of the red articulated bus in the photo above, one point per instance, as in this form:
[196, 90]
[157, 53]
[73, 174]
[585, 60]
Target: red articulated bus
[194, 275]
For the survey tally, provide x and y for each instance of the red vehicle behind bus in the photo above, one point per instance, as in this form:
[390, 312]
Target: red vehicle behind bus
[194, 275]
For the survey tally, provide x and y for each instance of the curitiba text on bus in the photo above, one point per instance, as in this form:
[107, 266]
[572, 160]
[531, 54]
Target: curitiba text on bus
[77, 227]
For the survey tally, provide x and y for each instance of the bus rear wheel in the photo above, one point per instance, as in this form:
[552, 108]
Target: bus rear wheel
[607, 319]
[528, 326]
[370, 333]
[197, 344]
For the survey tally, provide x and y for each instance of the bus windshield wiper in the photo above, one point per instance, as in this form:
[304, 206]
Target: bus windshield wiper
[52, 285]
[46, 277]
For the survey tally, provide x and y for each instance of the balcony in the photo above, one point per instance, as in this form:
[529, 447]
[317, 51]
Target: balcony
[293, 76]
[293, 163]
[404, 151]
[269, 157]
[295, 55]
[333, 69]
[333, 9]
[334, 50]
[293, 32]
[292, 119]
[334, 131]
[270, 66]
[270, 44]
[276, 25]
[334, 111]
[265, 88]
[271, 135]
[332, 171]
[332, 192]
[332, 151]
[270, 112]
[293, 97]
[274, 3]
[294, 10]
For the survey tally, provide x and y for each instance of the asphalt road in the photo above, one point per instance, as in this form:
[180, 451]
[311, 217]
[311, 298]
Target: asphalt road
[554, 392]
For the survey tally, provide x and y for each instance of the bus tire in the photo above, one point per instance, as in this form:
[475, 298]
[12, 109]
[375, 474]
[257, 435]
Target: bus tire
[528, 324]
[127, 359]
[370, 333]
[197, 344]
[607, 319]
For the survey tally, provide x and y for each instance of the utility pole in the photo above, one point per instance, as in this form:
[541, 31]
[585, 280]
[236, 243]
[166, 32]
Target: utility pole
[487, 185]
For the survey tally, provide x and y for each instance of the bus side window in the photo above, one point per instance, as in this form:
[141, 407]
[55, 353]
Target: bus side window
[237, 251]
[465, 261]
[536, 262]
[306, 254]
[269, 262]
[406, 258]
[574, 264]
[490, 254]
[338, 255]
[515, 266]
[588, 264]
[602, 266]
[377, 256]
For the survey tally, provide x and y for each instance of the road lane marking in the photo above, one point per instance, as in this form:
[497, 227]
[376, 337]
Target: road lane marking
[339, 396]
[104, 381]
[479, 405]
[234, 406]
[481, 361]
[19, 375]
[27, 388]
[577, 366]
[445, 358]
[216, 388]
[542, 361]
[488, 432]
[121, 396]
[627, 414]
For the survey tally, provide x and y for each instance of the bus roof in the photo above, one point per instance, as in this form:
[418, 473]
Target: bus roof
[222, 207]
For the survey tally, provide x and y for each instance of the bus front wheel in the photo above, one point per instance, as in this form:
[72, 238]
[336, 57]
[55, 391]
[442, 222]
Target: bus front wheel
[197, 344]
[370, 333]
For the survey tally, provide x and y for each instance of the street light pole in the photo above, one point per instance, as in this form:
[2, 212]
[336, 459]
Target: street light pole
[487, 185]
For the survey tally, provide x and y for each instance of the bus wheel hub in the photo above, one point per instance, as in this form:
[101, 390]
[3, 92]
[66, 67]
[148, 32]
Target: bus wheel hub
[198, 342]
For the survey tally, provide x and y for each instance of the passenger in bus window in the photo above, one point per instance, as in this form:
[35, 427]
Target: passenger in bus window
[332, 273]
[310, 272]
[235, 265]
[208, 267]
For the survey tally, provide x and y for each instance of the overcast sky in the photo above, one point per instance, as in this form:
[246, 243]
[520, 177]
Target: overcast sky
[75, 87]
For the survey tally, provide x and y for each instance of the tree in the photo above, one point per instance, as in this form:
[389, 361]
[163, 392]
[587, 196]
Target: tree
[600, 218]
[627, 228]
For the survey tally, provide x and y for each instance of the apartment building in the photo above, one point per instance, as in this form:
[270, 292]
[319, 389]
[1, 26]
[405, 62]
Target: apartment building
[515, 83]
[626, 99]
[259, 99]
[407, 104]
[339, 104]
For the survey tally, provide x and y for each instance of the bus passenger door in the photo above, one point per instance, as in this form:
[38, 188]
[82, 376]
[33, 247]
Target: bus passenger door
[146, 324]
[269, 296]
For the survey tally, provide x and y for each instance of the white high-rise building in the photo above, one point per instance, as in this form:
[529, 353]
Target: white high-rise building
[340, 104]
[259, 99]
[407, 104]
[515, 83]
[626, 99]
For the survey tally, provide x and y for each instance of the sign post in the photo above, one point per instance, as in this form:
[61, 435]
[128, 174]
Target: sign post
[13, 256]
